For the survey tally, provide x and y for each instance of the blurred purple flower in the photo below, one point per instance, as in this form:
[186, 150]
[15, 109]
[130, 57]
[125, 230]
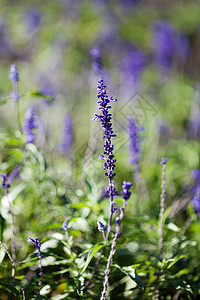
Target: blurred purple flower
[65, 228]
[67, 136]
[163, 127]
[164, 161]
[96, 58]
[48, 89]
[164, 38]
[135, 139]
[182, 46]
[194, 120]
[33, 19]
[168, 44]
[14, 76]
[133, 64]
[30, 123]
[196, 190]
[5, 182]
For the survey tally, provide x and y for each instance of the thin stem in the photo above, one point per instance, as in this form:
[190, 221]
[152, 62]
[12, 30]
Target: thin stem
[162, 208]
[12, 262]
[13, 246]
[23, 294]
[112, 252]
[18, 116]
[41, 271]
[110, 217]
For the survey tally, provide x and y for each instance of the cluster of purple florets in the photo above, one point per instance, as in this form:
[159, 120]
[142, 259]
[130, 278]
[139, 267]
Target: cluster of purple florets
[101, 226]
[164, 161]
[14, 74]
[105, 119]
[125, 190]
[37, 244]
[5, 182]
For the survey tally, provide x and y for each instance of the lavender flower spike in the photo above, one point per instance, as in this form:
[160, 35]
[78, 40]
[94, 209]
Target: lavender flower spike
[102, 228]
[30, 123]
[14, 76]
[109, 161]
[37, 244]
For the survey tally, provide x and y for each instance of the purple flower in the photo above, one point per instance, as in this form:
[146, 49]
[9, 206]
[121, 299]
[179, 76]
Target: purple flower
[96, 57]
[14, 76]
[5, 182]
[164, 161]
[37, 244]
[164, 38]
[47, 89]
[33, 18]
[196, 190]
[65, 226]
[182, 46]
[125, 190]
[67, 136]
[105, 119]
[133, 130]
[133, 64]
[101, 226]
[30, 123]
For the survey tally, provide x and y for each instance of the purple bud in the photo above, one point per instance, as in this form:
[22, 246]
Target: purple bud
[14, 74]
[101, 226]
[65, 226]
[164, 161]
[125, 190]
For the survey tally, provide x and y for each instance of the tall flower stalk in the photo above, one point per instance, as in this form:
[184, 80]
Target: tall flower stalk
[109, 161]
[37, 244]
[126, 195]
[162, 206]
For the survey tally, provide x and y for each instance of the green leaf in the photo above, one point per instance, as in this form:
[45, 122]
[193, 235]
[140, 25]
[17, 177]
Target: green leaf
[2, 226]
[173, 261]
[9, 288]
[131, 272]
[173, 227]
[41, 95]
[91, 254]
